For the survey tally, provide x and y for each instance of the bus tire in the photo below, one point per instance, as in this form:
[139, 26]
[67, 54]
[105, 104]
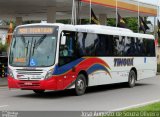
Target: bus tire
[80, 85]
[38, 91]
[132, 79]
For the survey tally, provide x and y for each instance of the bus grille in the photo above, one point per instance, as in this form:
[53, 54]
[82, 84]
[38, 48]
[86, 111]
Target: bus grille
[30, 73]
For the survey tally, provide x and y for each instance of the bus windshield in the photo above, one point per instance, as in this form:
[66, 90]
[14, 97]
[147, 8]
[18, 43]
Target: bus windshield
[33, 50]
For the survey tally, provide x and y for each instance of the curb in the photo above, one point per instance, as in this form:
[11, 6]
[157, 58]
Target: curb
[137, 105]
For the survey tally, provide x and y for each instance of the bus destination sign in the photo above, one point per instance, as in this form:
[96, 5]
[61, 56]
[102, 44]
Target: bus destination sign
[35, 30]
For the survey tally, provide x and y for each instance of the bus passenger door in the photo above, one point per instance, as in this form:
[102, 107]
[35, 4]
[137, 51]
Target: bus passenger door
[67, 56]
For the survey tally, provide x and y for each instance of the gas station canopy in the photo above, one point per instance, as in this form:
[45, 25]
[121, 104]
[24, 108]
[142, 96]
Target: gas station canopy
[51, 10]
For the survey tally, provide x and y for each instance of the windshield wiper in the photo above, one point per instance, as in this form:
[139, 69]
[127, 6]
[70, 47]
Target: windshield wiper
[14, 44]
[25, 44]
[38, 43]
[23, 39]
[26, 48]
[34, 45]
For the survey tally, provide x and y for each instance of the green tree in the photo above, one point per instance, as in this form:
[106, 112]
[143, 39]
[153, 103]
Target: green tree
[85, 21]
[66, 21]
[3, 48]
[132, 23]
[7, 23]
[111, 22]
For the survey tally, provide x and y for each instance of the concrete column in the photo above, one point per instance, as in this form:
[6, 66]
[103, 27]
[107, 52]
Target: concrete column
[19, 21]
[51, 15]
[103, 19]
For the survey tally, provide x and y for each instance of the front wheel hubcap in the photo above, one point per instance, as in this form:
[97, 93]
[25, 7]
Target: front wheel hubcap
[80, 84]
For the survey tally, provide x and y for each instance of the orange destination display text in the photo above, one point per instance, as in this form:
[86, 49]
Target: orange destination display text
[35, 30]
[20, 60]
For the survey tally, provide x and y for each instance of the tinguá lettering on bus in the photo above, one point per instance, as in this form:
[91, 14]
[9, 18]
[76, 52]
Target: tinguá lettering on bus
[123, 62]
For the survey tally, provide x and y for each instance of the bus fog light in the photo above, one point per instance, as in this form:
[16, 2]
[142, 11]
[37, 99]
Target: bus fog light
[49, 74]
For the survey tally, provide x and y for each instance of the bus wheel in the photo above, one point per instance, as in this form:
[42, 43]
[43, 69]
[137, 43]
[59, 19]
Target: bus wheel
[80, 85]
[39, 91]
[132, 79]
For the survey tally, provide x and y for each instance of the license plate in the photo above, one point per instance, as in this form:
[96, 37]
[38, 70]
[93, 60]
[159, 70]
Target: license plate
[27, 83]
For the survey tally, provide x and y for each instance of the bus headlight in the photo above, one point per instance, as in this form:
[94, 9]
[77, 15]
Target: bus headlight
[49, 74]
[10, 73]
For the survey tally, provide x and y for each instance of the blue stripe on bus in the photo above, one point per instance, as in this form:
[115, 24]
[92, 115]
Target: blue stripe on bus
[61, 70]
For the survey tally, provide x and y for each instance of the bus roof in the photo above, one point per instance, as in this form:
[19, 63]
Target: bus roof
[100, 29]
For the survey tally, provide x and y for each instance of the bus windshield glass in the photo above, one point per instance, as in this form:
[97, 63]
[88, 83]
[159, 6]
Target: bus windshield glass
[33, 50]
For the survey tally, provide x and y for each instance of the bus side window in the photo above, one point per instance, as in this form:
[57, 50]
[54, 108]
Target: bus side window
[139, 47]
[67, 51]
[150, 48]
[88, 44]
[118, 45]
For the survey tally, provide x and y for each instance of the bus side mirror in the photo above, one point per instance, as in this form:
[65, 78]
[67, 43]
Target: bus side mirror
[63, 40]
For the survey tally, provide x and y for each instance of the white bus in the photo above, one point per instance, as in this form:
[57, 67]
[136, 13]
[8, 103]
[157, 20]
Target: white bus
[57, 57]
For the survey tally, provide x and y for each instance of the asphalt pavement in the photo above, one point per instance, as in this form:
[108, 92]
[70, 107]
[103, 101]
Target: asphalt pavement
[99, 98]
[3, 82]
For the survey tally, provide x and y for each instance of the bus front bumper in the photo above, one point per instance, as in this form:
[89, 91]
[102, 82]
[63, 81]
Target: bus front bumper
[49, 84]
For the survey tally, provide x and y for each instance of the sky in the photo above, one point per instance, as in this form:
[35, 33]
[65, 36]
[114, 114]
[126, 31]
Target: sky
[150, 1]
